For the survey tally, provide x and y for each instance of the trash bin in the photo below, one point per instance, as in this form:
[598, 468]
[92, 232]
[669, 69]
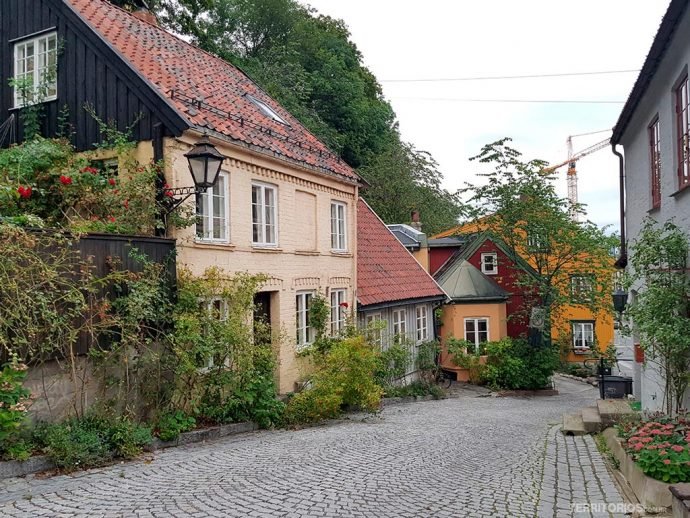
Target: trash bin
[614, 387]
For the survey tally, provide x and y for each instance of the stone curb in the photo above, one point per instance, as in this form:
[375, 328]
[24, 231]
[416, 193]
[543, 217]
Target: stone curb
[392, 401]
[38, 463]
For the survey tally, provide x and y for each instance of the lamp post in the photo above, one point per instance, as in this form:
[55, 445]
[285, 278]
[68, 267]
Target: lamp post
[205, 162]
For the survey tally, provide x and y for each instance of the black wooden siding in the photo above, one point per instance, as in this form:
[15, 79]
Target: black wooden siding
[88, 72]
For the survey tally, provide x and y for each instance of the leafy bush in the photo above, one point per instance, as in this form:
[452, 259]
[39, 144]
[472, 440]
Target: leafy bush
[91, 441]
[172, 424]
[466, 360]
[660, 447]
[416, 388]
[392, 364]
[14, 404]
[344, 377]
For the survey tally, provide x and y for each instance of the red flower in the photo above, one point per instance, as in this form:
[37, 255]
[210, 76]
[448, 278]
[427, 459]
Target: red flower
[111, 219]
[91, 170]
[667, 461]
[126, 204]
[344, 305]
[169, 193]
[663, 452]
[112, 181]
[65, 180]
[24, 192]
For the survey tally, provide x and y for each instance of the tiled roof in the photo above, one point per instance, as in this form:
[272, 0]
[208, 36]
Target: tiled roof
[208, 92]
[386, 271]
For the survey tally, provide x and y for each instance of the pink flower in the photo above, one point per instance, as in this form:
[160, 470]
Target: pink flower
[111, 181]
[677, 448]
[638, 446]
[91, 170]
[111, 219]
[667, 461]
[663, 452]
[65, 180]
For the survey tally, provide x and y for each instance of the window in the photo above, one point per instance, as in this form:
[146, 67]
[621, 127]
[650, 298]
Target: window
[217, 309]
[267, 110]
[305, 334]
[374, 328]
[655, 162]
[338, 310]
[34, 67]
[399, 324]
[477, 332]
[212, 212]
[264, 214]
[109, 167]
[490, 264]
[537, 240]
[338, 228]
[422, 324]
[583, 335]
[683, 133]
[581, 287]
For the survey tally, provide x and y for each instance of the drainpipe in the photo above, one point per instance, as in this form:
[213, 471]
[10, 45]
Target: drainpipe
[623, 258]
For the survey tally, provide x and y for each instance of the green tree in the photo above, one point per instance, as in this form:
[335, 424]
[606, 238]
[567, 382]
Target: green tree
[660, 310]
[517, 201]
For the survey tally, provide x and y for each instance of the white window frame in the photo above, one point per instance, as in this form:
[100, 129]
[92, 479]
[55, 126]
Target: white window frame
[422, 319]
[586, 329]
[40, 66]
[338, 312]
[304, 333]
[582, 287]
[376, 335]
[260, 224]
[219, 190]
[477, 341]
[493, 263]
[399, 318]
[338, 226]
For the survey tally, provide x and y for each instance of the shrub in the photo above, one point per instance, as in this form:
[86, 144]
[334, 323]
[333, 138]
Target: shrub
[392, 364]
[14, 404]
[91, 441]
[416, 388]
[344, 377]
[172, 424]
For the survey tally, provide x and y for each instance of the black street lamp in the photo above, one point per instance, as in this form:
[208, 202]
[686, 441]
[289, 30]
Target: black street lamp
[620, 300]
[205, 162]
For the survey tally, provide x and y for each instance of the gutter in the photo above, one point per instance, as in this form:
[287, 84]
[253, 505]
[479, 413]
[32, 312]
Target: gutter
[622, 260]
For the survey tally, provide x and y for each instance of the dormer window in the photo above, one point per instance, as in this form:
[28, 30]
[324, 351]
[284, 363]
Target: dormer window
[267, 110]
[490, 264]
[35, 74]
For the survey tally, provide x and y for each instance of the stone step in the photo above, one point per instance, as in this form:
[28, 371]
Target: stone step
[612, 410]
[591, 419]
[573, 425]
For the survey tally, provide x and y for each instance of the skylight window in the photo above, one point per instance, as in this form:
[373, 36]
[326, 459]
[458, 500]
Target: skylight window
[267, 110]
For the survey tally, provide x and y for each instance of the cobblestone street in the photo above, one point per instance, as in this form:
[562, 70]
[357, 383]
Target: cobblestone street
[464, 456]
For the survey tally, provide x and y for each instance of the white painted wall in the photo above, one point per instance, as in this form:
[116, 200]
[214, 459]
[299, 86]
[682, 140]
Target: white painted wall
[658, 100]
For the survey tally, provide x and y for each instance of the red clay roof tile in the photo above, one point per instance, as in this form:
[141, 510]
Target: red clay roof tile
[207, 91]
[386, 271]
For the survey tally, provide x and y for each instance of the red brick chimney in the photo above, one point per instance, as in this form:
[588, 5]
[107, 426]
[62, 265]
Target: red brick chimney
[416, 224]
[144, 14]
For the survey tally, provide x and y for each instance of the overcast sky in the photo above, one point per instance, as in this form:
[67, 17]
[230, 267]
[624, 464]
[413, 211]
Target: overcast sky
[435, 39]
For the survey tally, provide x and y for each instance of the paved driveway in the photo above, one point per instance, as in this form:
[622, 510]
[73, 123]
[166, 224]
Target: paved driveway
[465, 456]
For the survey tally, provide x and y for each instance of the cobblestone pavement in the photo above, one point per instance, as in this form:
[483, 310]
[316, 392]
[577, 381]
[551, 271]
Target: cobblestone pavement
[465, 456]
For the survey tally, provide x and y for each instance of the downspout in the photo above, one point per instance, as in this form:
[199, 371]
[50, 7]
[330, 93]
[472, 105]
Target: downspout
[622, 260]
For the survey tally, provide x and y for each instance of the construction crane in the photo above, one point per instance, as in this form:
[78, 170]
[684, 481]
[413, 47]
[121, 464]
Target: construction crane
[572, 171]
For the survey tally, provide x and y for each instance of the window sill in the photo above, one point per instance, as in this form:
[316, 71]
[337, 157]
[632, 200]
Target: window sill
[213, 245]
[29, 105]
[341, 253]
[307, 252]
[489, 273]
[581, 350]
[680, 191]
[267, 249]
[654, 209]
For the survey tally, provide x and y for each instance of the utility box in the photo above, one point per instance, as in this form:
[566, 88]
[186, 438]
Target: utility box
[615, 387]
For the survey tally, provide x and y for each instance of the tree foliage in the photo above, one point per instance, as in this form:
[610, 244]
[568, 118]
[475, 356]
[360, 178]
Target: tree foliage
[518, 202]
[661, 309]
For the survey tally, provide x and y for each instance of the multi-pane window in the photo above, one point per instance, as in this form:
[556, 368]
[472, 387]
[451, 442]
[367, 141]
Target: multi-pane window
[305, 333]
[477, 332]
[583, 335]
[374, 328]
[338, 227]
[683, 133]
[489, 264]
[537, 240]
[655, 162]
[581, 287]
[399, 324]
[264, 214]
[212, 212]
[422, 323]
[338, 310]
[35, 62]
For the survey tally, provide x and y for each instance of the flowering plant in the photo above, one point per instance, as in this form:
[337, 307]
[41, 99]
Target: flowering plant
[661, 448]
